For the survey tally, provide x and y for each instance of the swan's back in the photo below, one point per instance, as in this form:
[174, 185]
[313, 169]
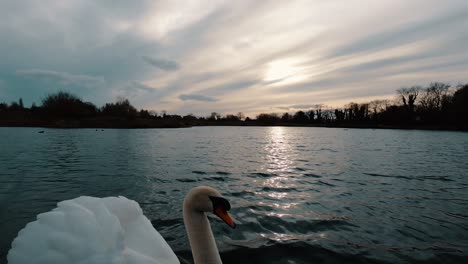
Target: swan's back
[89, 230]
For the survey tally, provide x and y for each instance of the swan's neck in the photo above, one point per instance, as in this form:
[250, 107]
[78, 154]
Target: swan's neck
[202, 242]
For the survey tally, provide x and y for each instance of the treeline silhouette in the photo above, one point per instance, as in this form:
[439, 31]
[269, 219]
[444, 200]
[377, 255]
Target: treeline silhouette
[64, 109]
[437, 106]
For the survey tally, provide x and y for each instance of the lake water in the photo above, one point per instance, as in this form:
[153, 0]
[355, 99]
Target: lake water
[298, 195]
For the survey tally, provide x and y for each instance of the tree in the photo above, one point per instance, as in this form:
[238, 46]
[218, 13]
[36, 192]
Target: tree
[339, 115]
[352, 109]
[232, 118]
[20, 102]
[153, 114]
[214, 116]
[144, 114]
[364, 111]
[121, 108]
[3, 106]
[378, 106]
[14, 106]
[327, 115]
[241, 116]
[268, 118]
[460, 104]
[409, 96]
[64, 104]
[189, 117]
[34, 108]
[318, 113]
[286, 117]
[300, 117]
[434, 96]
[310, 115]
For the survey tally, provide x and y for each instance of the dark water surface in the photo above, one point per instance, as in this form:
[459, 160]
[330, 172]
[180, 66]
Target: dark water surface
[299, 195]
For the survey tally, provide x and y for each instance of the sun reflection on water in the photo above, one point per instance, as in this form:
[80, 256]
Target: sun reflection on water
[278, 157]
[278, 151]
[288, 237]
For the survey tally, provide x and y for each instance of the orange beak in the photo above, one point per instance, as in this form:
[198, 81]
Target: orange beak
[223, 214]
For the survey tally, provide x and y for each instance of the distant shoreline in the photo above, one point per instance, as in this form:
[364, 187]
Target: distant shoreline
[115, 123]
[95, 123]
[438, 108]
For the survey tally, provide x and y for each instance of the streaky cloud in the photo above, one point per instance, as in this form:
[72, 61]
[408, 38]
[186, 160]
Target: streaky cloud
[162, 64]
[143, 87]
[404, 34]
[196, 97]
[230, 87]
[302, 107]
[63, 78]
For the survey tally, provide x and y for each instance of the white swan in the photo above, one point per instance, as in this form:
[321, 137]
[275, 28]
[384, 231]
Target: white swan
[113, 230]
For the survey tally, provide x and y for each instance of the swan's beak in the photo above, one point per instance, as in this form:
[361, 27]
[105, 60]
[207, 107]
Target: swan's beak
[221, 206]
[224, 215]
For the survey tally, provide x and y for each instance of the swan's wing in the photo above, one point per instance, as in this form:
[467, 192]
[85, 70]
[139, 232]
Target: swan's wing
[140, 235]
[89, 230]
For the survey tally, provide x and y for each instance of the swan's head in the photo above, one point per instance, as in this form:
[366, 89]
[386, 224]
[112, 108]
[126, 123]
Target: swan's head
[207, 199]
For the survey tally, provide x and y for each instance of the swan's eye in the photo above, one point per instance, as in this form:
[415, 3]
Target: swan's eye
[220, 203]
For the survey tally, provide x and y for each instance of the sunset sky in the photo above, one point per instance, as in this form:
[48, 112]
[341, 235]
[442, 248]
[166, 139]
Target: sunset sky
[229, 56]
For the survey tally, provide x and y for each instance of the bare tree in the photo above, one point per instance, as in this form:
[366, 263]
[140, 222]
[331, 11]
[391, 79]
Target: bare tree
[434, 96]
[214, 116]
[409, 96]
[378, 106]
[311, 115]
[153, 113]
[240, 115]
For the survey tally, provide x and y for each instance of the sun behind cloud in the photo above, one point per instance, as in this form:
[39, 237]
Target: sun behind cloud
[284, 71]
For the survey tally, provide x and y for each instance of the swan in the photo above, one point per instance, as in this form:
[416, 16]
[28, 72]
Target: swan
[113, 230]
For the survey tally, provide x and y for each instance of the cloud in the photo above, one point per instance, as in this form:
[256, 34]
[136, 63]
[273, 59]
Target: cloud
[446, 23]
[302, 107]
[143, 87]
[230, 87]
[162, 64]
[135, 89]
[2, 84]
[196, 97]
[63, 78]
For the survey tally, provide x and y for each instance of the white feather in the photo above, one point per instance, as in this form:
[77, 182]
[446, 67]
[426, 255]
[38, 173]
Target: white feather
[89, 230]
